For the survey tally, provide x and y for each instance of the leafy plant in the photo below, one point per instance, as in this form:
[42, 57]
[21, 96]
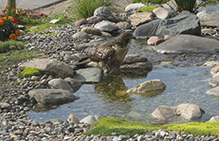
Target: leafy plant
[148, 8]
[150, 1]
[188, 5]
[30, 71]
[86, 8]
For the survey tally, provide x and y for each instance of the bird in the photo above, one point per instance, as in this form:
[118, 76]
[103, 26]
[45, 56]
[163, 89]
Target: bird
[109, 55]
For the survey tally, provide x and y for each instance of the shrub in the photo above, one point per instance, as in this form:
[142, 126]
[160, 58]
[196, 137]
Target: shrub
[147, 8]
[150, 1]
[9, 22]
[10, 45]
[86, 8]
[188, 5]
[30, 71]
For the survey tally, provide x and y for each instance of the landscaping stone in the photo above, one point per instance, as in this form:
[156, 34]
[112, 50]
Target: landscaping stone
[124, 25]
[73, 119]
[213, 91]
[52, 96]
[81, 22]
[134, 6]
[60, 84]
[211, 20]
[164, 112]
[75, 84]
[140, 18]
[214, 81]
[91, 30]
[104, 13]
[81, 35]
[106, 26]
[89, 119]
[94, 19]
[161, 13]
[215, 69]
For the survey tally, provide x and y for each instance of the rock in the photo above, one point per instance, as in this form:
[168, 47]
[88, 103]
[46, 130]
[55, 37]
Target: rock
[89, 75]
[152, 40]
[94, 19]
[89, 119]
[133, 58]
[147, 86]
[188, 44]
[189, 111]
[214, 70]
[59, 69]
[60, 84]
[50, 67]
[167, 37]
[161, 13]
[213, 91]
[56, 121]
[164, 112]
[4, 105]
[140, 18]
[81, 35]
[106, 26]
[81, 22]
[91, 30]
[214, 119]
[75, 84]
[211, 20]
[185, 23]
[161, 40]
[211, 64]
[134, 6]
[202, 15]
[52, 96]
[146, 30]
[124, 25]
[214, 81]
[104, 13]
[73, 119]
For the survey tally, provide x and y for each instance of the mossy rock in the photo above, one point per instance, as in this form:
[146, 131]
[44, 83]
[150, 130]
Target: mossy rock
[148, 8]
[30, 71]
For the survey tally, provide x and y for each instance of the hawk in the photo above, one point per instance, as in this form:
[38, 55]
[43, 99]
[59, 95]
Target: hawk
[109, 55]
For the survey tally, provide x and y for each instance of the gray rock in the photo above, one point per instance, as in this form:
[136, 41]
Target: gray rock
[185, 23]
[214, 119]
[124, 25]
[60, 84]
[89, 119]
[52, 96]
[214, 81]
[202, 15]
[4, 105]
[147, 86]
[106, 26]
[140, 18]
[211, 20]
[187, 44]
[94, 19]
[212, 64]
[81, 35]
[91, 30]
[146, 30]
[189, 111]
[164, 112]
[73, 119]
[134, 6]
[161, 13]
[39, 63]
[89, 75]
[104, 13]
[75, 84]
[213, 91]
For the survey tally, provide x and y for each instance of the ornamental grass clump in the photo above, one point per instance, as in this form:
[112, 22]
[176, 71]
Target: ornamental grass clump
[9, 23]
[86, 8]
[188, 5]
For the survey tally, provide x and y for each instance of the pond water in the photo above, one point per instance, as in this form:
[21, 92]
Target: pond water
[210, 8]
[186, 84]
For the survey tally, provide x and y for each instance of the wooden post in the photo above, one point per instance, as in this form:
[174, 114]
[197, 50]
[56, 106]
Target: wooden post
[12, 3]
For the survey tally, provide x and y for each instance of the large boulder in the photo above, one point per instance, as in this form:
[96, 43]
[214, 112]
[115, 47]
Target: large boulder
[185, 23]
[139, 18]
[52, 96]
[147, 86]
[188, 44]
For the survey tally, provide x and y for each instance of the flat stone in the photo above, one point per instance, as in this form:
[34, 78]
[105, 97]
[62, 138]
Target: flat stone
[161, 13]
[39, 63]
[211, 63]
[211, 20]
[141, 18]
[188, 44]
[164, 112]
[52, 96]
[213, 91]
[89, 75]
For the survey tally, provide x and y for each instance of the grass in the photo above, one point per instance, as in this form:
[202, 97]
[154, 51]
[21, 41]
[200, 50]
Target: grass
[11, 45]
[106, 126]
[150, 1]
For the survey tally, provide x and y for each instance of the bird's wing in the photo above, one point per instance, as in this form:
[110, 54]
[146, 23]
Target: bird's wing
[103, 52]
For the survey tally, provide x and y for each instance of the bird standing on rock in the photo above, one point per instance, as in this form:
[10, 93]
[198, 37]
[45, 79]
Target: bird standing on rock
[109, 55]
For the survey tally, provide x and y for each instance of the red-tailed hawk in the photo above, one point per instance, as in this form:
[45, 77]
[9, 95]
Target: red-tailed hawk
[110, 55]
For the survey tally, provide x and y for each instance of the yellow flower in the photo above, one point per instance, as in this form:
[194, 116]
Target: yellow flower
[2, 22]
[17, 32]
[8, 7]
[13, 10]
[12, 36]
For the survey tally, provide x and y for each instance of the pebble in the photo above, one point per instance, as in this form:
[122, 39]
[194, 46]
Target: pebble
[15, 125]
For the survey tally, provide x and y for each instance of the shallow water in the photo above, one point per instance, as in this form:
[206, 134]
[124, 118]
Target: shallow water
[184, 85]
[210, 8]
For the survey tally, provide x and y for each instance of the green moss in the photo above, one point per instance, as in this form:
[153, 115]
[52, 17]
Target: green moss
[30, 71]
[108, 125]
[148, 8]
